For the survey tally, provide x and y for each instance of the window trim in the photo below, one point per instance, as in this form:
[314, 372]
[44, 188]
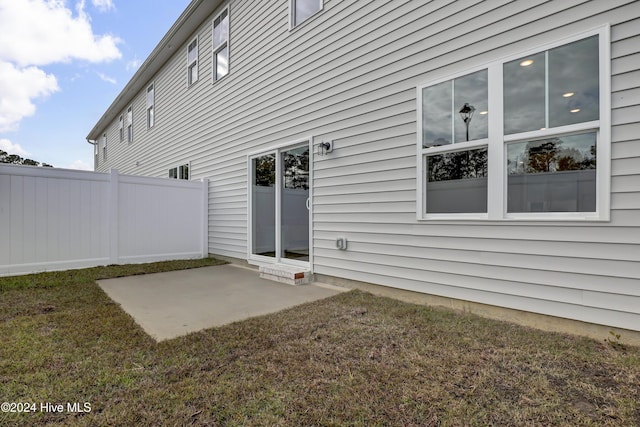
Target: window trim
[104, 147]
[194, 64]
[216, 49]
[292, 14]
[497, 141]
[130, 124]
[151, 106]
[121, 127]
[177, 168]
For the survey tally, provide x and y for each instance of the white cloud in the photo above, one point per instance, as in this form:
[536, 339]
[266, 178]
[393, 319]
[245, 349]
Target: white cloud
[103, 5]
[39, 32]
[134, 64]
[18, 88]
[11, 148]
[106, 78]
[81, 165]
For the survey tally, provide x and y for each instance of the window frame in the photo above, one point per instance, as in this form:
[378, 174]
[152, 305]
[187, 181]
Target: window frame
[497, 141]
[193, 64]
[104, 147]
[179, 171]
[121, 127]
[292, 14]
[151, 106]
[224, 45]
[129, 115]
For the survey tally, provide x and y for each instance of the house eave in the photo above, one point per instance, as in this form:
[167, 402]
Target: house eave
[178, 34]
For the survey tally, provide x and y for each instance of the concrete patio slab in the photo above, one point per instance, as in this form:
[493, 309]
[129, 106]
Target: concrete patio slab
[168, 305]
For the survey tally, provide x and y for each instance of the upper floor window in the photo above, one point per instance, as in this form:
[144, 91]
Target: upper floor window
[221, 45]
[121, 127]
[192, 62]
[130, 124]
[179, 172]
[301, 10]
[151, 98]
[524, 138]
[104, 146]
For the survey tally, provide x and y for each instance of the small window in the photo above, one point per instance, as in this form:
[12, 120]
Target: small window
[192, 62]
[301, 10]
[179, 172]
[150, 106]
[104, 146]
[121, 127]
[221, 45]
[130, 124]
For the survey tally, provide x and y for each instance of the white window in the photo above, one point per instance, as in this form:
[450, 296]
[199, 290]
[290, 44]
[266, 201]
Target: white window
[524, 138]
[151, 98]
[301, 10]
[130, 124]
[121, 127]
[221, 45]
[192, 62]
[104, 146]
[179, 172]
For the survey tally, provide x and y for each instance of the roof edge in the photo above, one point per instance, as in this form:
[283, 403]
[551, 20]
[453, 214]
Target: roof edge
[188, 22]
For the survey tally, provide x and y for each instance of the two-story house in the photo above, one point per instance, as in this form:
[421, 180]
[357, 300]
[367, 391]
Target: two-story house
[478, 151]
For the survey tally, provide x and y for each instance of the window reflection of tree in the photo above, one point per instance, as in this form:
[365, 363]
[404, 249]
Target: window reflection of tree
[457, 165]
[551, 156]
[296, 169]
[265, 171]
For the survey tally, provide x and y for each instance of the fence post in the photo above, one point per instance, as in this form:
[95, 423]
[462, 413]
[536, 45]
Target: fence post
[113, 216]
[205, 218]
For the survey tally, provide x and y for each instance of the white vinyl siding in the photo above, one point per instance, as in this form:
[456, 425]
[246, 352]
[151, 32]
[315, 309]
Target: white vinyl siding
[361, 94]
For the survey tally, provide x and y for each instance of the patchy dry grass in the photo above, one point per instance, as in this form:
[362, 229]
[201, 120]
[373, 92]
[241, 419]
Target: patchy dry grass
[353, 359]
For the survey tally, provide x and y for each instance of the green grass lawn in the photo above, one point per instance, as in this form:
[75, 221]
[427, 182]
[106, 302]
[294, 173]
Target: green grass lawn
[353, 359]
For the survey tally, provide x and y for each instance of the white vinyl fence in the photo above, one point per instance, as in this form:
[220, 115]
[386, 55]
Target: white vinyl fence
[57, 219]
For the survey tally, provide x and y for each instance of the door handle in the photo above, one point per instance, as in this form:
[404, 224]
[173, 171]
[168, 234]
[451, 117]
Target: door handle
[308, 203]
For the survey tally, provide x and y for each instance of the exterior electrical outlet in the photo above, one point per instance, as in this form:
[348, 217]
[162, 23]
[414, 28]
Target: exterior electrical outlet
[341, 243]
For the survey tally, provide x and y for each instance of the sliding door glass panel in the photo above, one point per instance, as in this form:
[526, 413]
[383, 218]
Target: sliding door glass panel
[294, 212]
[263, 197]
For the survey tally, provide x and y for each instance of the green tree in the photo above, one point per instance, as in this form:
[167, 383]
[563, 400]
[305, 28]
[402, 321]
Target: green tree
[14, 159]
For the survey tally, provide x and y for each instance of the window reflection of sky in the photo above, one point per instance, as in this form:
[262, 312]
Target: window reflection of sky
[572, 68]
[442, 102]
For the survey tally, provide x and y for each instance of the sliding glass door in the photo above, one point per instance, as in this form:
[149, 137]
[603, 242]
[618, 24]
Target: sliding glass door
[279, 201]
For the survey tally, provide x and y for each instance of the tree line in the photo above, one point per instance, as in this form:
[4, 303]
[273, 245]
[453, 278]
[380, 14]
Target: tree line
[14, 159]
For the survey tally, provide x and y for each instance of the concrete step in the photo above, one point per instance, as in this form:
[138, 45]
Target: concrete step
[285, 274]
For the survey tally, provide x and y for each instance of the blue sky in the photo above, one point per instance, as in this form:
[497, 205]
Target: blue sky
[62, 63]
